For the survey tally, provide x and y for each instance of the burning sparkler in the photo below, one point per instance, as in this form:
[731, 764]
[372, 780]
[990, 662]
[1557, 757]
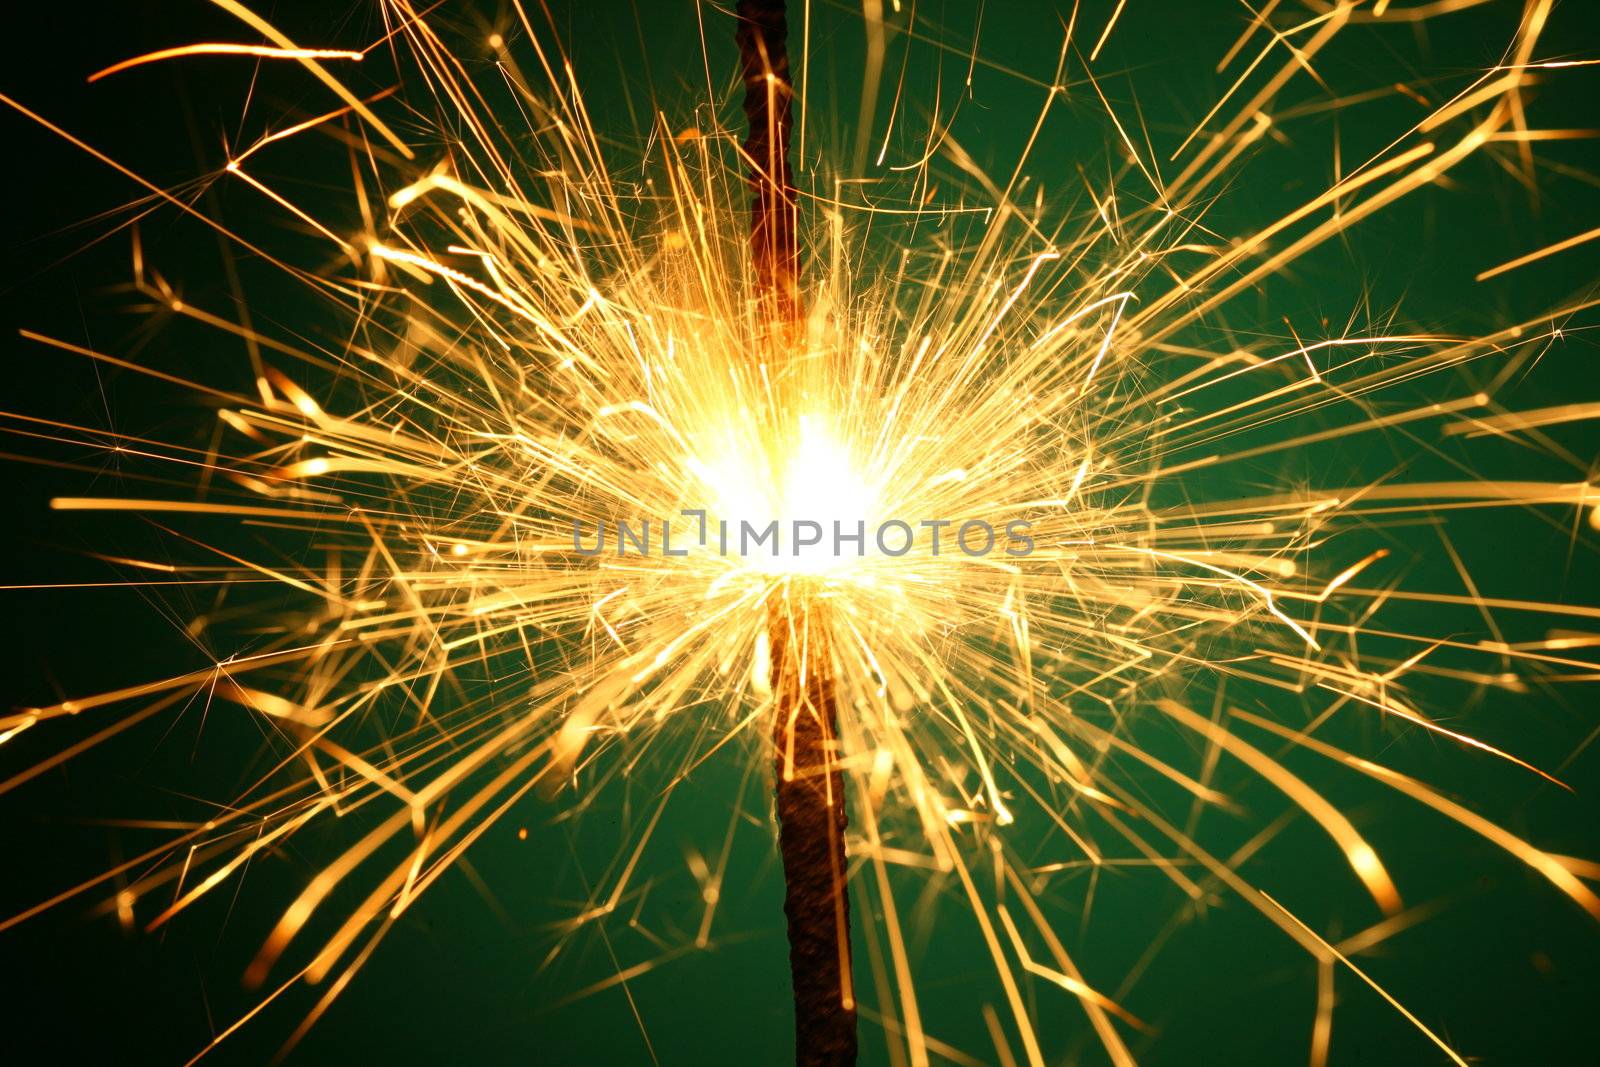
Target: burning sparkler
[1014, 472]
[805, 722]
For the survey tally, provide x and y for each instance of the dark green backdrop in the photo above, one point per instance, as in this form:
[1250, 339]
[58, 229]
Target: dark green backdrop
[1507, 970]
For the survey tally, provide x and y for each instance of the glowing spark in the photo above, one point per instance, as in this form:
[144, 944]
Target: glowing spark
[225, 49]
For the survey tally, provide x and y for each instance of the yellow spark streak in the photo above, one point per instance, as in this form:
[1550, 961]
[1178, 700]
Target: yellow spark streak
[1533, 257]
[1322, 1027]
[1363, 860]
[1067, 982]
[1267, 597]
[1455, 1057]
[1513, 421]
[1094, 53]
[225, 49]
[234, 168]
[1389, 708]
[267, 30]
[271, 704]
[1541, 861]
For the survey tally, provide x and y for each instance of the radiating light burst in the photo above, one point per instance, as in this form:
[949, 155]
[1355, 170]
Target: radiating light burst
[544, 328]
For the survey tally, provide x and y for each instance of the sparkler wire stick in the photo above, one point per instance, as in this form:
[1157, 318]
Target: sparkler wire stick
[809, 786]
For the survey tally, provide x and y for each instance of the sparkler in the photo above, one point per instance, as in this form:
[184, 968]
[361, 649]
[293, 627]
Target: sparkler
[540, 340]
[805, 722]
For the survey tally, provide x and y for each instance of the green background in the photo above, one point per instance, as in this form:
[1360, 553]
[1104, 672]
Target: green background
[1508, 970]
